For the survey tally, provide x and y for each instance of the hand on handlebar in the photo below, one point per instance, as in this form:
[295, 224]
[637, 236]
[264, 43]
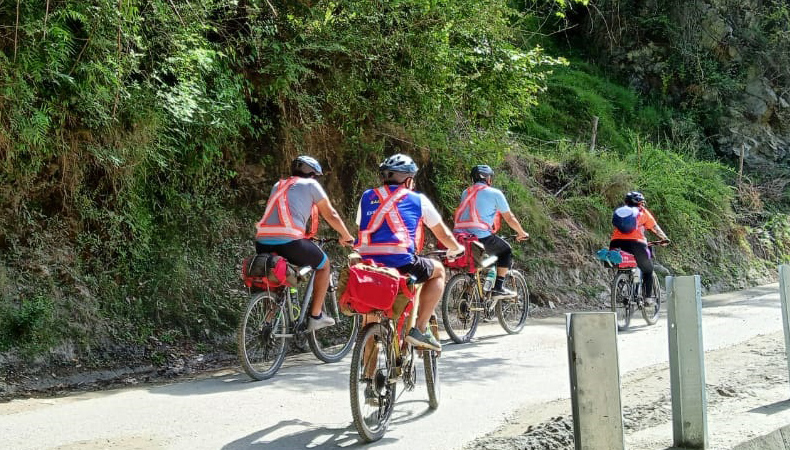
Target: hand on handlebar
[522, 237]
[346, 241]
[454, 253]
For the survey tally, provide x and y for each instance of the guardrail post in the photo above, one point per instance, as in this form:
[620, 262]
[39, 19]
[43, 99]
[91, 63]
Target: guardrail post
[595, 381]
[686, 362]
[784, 296]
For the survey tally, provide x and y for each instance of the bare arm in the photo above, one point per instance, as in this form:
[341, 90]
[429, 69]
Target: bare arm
[660, 233]
[331, 216]
[515, 225]
[445, 236]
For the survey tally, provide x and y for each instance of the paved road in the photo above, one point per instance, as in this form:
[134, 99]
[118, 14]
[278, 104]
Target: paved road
[306, 405]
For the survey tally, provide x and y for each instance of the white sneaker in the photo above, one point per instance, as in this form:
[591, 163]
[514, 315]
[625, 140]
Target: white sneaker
[502, 293]
[317, 324]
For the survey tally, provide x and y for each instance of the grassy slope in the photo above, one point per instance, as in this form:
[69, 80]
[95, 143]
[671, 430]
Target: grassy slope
[188, 293]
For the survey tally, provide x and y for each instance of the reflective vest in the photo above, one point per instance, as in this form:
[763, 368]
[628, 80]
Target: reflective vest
[468, 207]
[396, 238]
[285, 226]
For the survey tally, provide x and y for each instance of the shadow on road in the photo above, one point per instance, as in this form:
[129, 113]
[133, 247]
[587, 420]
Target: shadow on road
[773, 408]
[458, 363]
[297, 433]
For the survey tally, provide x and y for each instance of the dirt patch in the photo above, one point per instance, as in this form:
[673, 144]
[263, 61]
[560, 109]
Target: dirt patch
[743, 385]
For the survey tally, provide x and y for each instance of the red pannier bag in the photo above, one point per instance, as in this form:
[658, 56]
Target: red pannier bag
[371, 287]
[628, 260]
[264, 271]
[467, 260]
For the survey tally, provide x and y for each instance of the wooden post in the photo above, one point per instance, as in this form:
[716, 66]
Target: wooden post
[686, 362]
[594, 133]
[16, 29]
[740, 167]
[595, 381]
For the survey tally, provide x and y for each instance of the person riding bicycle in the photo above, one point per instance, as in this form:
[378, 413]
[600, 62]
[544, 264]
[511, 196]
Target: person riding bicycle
[282, 229]
[390, 221]
[479, 214]
[630, 222]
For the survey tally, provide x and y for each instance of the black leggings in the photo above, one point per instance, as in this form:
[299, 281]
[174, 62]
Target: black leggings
[643, 260]
[495, 245]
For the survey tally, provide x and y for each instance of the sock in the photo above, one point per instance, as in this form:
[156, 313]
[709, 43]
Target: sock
[317, 317]
[498, 283]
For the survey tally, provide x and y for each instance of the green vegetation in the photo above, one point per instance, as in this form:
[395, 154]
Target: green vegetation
[138, 141]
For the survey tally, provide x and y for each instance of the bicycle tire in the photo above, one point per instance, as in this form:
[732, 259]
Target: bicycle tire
[621, 300]
[371, 421]
[332, 344]
[459, 297]
[651, 313]
[512, 314]
[261, 353]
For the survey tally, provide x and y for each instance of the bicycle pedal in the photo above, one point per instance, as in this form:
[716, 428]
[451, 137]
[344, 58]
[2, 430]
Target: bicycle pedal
[283, 335]
[476, 309]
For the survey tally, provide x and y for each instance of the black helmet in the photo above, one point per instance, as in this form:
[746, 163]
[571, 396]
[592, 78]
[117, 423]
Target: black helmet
[482, 173]
[634, 198]
[397, 168]
[305, 165]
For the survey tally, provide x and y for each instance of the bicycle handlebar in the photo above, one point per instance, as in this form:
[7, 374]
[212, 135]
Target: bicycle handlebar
[662, 242]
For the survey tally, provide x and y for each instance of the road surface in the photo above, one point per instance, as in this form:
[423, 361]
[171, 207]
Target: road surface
[306, 405]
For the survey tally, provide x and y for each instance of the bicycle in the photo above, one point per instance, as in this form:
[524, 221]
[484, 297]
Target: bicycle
[627, 295]
[273, 316]
[380, 358]
[467, 296]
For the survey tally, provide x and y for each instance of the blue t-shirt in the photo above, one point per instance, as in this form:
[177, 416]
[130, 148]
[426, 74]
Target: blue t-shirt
[489, 202]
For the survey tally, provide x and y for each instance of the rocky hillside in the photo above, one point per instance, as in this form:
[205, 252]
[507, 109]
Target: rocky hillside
[725, 62]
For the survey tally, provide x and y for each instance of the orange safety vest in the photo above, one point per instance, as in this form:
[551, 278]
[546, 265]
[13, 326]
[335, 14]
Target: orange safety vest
[469, 205]
[285, 227]
[388, 211]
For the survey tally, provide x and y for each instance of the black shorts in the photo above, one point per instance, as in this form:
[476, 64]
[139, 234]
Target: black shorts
[495, 245]
[421, 268]
[301, 252]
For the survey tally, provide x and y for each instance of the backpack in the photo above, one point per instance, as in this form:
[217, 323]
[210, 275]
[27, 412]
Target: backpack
[624, 218]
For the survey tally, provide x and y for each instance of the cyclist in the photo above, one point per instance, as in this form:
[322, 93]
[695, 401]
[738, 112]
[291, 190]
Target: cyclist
[479, 214]
[630, 222]
[390, 221]
[282, 229]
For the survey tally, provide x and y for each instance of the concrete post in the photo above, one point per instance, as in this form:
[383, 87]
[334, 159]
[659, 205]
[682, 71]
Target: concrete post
[595, 381]
[784, 296]
[686, 362]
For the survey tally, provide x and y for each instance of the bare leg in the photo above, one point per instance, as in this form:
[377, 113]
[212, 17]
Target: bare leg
[502, 271]
[430, 294]
[320, 285]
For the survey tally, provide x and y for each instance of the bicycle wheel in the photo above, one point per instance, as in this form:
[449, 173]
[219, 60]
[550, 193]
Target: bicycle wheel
[431, 360]
[650, 313]
[372, 389]
[261, 351]
[513, 313]
[459, 316]
[621, 300]
[331, 344]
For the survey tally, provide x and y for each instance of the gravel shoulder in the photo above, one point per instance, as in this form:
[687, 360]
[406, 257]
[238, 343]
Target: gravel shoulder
[747, 395]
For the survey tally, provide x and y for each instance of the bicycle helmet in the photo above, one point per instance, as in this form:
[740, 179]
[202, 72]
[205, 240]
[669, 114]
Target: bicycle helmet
[482, 172]
[397, 169]
[634, 198]
[306, 165]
